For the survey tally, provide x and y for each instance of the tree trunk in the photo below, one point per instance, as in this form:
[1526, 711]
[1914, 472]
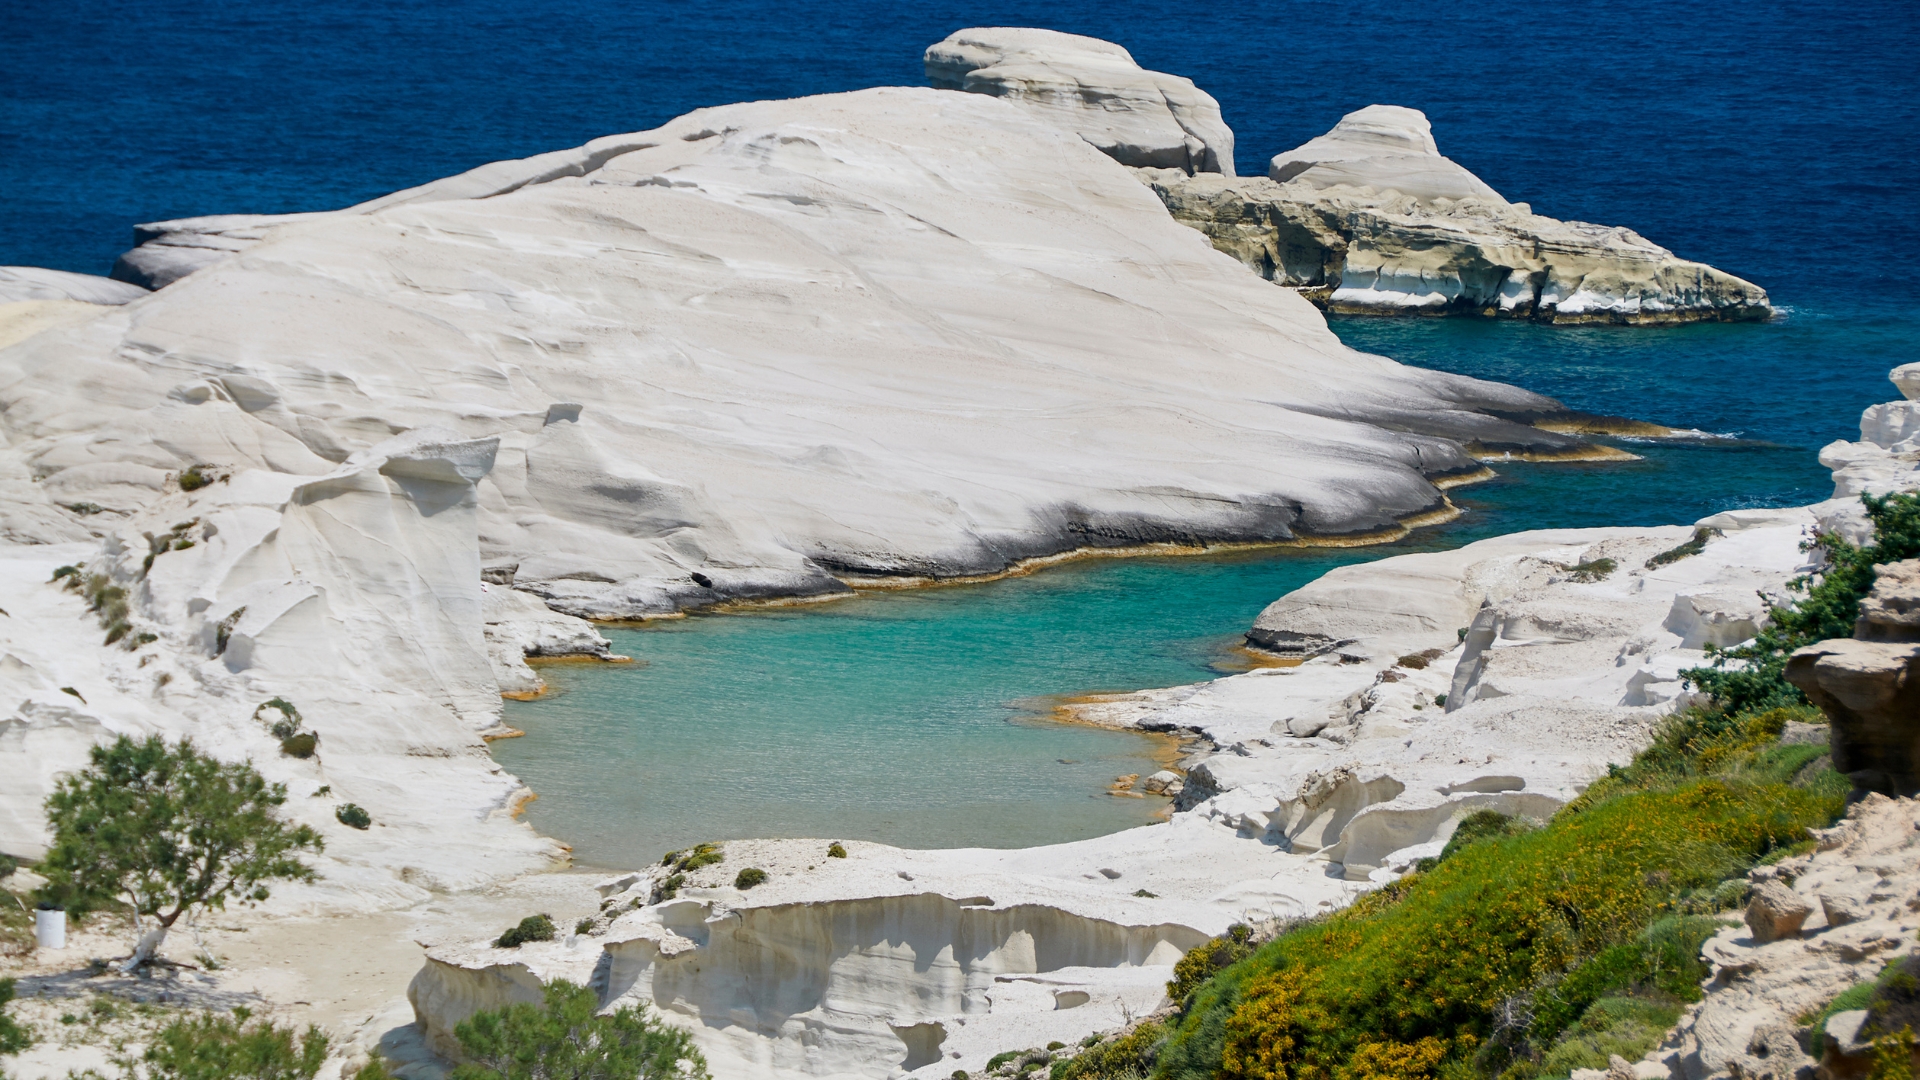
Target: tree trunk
[146, 949]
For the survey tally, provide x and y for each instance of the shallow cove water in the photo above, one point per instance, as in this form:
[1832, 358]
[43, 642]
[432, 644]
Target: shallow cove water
[1779, 146]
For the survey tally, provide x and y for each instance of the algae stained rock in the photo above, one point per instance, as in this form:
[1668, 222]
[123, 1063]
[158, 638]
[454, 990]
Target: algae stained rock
[1370, 218]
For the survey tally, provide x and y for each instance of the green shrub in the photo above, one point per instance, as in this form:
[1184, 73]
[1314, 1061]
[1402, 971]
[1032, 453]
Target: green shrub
[1483, 825]
[1564, 906]
[1829, 610]
[1692, 547]
[1594, 570]
[1132, 1054]
[1202, 961]
[1002, 1058]
[300, 744]
[669, 888]
[1627, 1026]
[694, 858]
[195, 477]
[13, 1037]
[584, 926]
[836, 851]
[353, 817]
[70, 572]
[209, 1047]
[531, 928]
[748, 878]
[568, 1037]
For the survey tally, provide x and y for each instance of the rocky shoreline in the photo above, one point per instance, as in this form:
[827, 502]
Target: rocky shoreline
[372, 461]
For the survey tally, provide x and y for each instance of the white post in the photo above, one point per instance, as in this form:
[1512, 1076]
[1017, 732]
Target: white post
[50, 929]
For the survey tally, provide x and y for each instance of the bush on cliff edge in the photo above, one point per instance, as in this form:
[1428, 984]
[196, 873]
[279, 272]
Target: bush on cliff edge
[1520, 954]
[1752, 677]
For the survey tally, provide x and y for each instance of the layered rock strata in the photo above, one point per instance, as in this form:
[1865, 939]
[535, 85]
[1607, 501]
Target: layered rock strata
[763, 349]
[1371, 219]
[1092, 88]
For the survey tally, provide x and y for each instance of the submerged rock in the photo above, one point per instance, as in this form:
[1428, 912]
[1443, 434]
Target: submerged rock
[1092, 88]
[1371, 219]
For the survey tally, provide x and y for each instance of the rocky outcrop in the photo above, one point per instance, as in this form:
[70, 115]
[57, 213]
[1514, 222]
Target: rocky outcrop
[1371, 219]
[166, 251]
[33, 283]
[1092, 88]
[835, 407]
[1887, 457]
[1869, 685]
[351, 591]
[1750, 1023]
[887, 960]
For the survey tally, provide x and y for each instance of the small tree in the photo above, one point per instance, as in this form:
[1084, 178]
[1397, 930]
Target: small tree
[165, 830]
[569, 1038]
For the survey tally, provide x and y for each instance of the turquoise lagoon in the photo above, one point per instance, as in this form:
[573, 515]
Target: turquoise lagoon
[919, 718]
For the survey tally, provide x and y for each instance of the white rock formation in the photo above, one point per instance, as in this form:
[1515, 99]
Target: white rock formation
[352, 592]
[1352, 760]
[897, 332]
[34, 283]
[1092, 88]
[1371, 219]
[890, 959]
[1327, 778]
[1887, 457]
[1863, 889]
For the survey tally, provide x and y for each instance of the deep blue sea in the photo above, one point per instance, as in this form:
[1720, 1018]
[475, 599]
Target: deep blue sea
[1778, 141]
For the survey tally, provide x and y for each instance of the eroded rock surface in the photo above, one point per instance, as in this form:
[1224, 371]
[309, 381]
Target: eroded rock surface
[1371, 219]
[34, 283]
[1092, 88]
[1868, 866]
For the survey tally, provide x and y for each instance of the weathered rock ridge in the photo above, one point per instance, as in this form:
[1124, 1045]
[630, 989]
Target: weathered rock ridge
[1371, 219]
[1092, 88]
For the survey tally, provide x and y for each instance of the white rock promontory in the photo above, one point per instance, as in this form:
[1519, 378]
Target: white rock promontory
[1092, 88]
[898, 332]
[1370, 218]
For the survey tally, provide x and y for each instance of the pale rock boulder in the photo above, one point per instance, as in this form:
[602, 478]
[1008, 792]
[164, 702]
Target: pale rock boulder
[1887, 457]
[1869, 685]
[762, 349]
[1775, 911]
[34, 283]
[1370, 218]
[1386, 148]
[1092, 88]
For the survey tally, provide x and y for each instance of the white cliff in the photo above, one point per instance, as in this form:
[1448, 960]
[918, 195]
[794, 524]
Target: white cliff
[1092, 88]
[1370, 218]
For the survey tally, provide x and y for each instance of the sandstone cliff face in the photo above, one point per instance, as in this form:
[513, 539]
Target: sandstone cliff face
[1092, 88]
[1371, 219]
